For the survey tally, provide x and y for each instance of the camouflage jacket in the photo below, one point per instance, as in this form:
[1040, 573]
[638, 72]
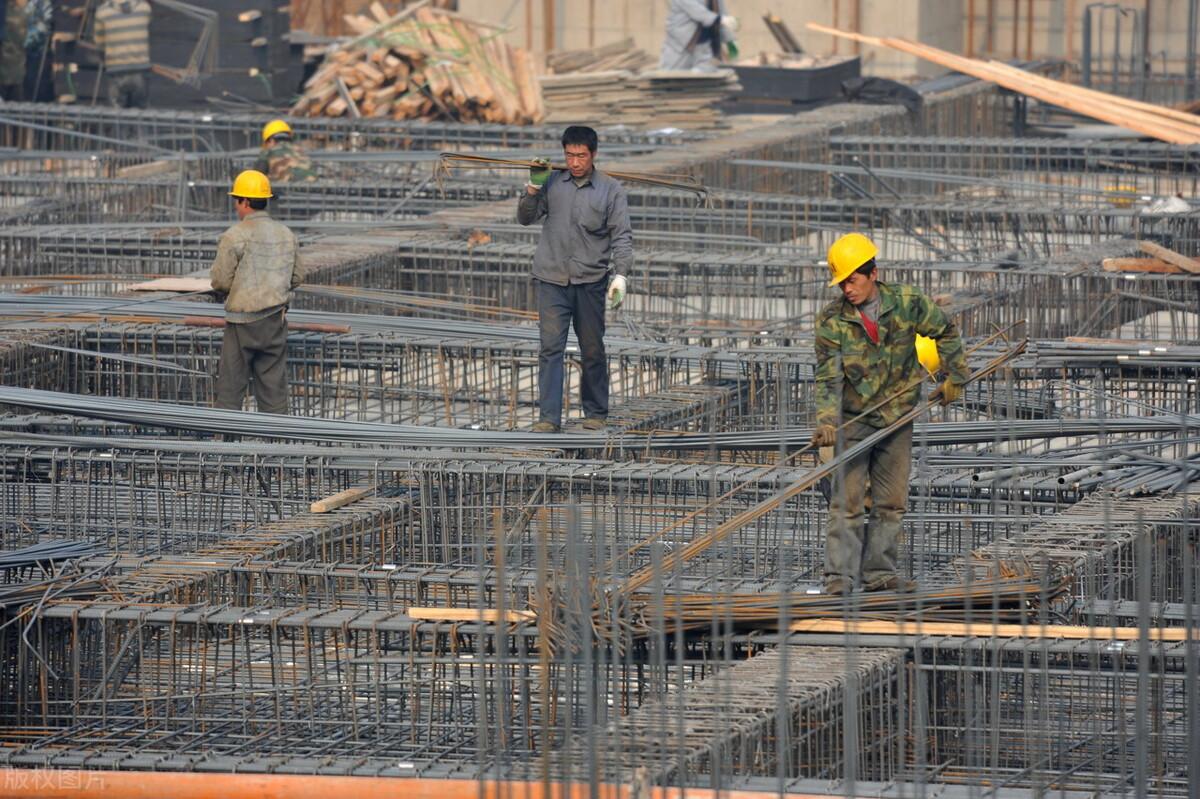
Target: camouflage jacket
[285, 162]
[12, 46]
[853, 373]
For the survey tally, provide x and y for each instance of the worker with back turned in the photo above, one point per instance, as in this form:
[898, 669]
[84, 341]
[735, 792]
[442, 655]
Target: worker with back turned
[866, 348]
[123, 34]
[257, 267]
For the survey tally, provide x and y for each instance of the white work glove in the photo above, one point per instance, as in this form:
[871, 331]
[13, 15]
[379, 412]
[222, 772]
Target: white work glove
[616, 292]
[730, 23]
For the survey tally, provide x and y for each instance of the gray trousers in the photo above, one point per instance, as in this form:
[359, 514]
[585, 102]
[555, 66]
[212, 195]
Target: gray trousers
[129, 89]
[254, 351]
[850, 549]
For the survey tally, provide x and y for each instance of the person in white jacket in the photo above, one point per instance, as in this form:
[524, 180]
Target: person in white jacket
[696, 32]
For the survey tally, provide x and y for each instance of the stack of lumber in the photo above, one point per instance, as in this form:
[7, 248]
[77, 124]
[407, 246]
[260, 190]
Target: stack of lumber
[1159, 122]
[659, 98]
[428, 64]
[622, 55]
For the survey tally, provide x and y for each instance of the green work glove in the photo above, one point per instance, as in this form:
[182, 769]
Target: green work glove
[824, 436]
[950, 391]
[538, 175]
[732, 49]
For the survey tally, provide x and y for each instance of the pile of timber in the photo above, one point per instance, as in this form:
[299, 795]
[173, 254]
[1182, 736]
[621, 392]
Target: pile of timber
[428, 64]
[622, 55]
[658, 97]
[1159, 122]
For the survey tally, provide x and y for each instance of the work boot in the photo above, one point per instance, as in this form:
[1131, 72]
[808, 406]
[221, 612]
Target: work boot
[595, 423]
[545, 427]
[892, 582]
[837, 586]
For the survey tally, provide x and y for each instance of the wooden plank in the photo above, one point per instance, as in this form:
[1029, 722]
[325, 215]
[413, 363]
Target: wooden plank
[187, 284]
[1155, 266]
[978, 630]
[340, 499]
[1170, 256]
[1097, 105]
[471, 615]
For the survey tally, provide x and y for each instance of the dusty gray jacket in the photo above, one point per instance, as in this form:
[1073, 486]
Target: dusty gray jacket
[258, 264]
[586, 233]
[684, 18]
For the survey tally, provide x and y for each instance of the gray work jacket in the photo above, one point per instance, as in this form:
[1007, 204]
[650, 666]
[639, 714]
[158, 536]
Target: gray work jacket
[258, 264]
[684, 18]
[586, 233]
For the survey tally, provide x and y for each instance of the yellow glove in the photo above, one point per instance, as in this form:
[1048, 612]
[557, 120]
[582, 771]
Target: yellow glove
[950, 391]
[824, 436]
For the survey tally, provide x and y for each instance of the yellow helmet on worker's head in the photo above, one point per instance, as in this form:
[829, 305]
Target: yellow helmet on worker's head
[252, 185]
[274, 128]
[849, 253]
[927, 354]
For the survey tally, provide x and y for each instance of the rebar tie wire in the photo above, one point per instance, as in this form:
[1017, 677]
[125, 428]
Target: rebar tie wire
[450, 161]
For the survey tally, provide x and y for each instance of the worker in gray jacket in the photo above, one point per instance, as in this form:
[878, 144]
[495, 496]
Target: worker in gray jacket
[696, 32]
[257, 268]
[585, 250]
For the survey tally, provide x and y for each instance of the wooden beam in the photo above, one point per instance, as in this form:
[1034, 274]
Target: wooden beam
[340, 499]
[977, 630]
[1155, 266]
[467, 615]
[1170, 256]
[1156, 121]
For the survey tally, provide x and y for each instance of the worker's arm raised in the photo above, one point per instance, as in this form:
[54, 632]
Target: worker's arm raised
[532, 207]
[229, 254]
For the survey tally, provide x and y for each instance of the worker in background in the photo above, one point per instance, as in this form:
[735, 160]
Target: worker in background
[696, 32]
[257, 267]
[584, 251]
[12, 51]
[281, 159]
[39, 26]
[867, 356]
[123, 35]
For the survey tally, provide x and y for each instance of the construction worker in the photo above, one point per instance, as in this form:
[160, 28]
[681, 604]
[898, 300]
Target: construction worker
[696, 31]
[257, 268]
[585, 249]
[39, 28]
[281, 159]
[867, 357]
[123, 34]
[12, 51]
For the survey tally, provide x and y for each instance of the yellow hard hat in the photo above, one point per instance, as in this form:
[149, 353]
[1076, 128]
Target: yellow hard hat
[849, 253]
[252, 185]
[927, 354]
[274, 128]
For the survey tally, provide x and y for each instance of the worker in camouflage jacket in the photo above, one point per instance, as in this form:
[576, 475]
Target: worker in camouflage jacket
[867, 365]
[282, 159]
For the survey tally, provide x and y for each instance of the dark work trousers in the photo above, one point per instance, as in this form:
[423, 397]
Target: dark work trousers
[129, 89]
[883, 471]
[254, 351]
[39, 69]
[559, 307]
